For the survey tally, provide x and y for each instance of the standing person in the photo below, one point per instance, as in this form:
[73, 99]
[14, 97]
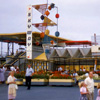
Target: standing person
[28, 76]
[75, 74]
[12, 86]
[12, 68]
[60, 69]
[98, 92]
[84, 70]
[90, 86]
[2, 72]
[83, 91]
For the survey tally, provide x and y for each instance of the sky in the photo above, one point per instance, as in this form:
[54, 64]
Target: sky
[79, 19]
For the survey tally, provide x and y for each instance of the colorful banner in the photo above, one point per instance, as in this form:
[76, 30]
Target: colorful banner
[29, 33]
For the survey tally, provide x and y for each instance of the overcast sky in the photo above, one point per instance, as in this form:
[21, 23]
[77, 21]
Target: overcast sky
[79, 19]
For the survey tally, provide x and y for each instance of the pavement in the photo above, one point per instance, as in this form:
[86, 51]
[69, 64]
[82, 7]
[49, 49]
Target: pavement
[43, 93]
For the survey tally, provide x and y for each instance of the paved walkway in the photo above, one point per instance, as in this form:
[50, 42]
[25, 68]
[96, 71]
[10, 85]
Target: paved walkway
[43, 93]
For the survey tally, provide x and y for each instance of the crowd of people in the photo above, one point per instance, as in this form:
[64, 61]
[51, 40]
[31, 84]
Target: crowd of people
[86, 86]
[11, 79]
[4, 72]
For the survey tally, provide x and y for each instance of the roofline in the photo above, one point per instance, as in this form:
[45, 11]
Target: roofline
[19, 33]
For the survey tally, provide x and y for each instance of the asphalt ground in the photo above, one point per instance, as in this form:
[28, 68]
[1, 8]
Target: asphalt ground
[43, 93]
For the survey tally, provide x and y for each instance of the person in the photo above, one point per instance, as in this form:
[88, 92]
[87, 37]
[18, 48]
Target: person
[66, 71]
[7, 73]
[95, 75]
[12, 68]
[16, 69]
[12, 86]
[2, 76]
[83, 91]
[4, 68]
[90, 86]
[74, 77]
[98, 92]
[84, 69]
[17, 51]
[75, 74]
[80, 69]
[60, 69]
[28, 76]
[86, 74]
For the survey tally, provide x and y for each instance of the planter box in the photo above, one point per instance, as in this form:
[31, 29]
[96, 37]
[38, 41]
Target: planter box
[61, 82]
[19, 81]
[96, 82]
[38, 82]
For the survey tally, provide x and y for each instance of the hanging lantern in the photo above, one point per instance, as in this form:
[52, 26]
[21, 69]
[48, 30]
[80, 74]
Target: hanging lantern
[52, 42]
[42, 17]
[49, 7]
[47, 51]
[52, 5]
[42, 35]
[37, 43]
[36, 25]
[37, 7]
[57, 34]
[47, 12]
[57, 15]
[47, 32]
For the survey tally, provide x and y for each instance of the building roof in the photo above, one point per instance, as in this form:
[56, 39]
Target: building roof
[21, 37]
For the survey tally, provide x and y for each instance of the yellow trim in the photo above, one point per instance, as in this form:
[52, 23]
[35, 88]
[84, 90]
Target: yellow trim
[61, 80]
[19, 83]
[38, 33]
[21, 33]
[38, 80]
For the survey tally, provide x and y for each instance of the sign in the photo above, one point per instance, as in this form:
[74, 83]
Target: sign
[29, 33]
[95, 50]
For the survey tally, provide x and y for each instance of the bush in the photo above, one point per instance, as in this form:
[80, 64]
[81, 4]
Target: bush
[19, 75]
[40, 76]
[81, 73]
[59, 76]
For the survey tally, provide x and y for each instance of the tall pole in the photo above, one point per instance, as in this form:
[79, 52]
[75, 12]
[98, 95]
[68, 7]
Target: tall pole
[95, 39]
[95, 45]
[1, 49]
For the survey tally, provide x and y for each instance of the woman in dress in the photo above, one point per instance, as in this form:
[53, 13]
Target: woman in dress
[83, 91]
[12, 86]
[98, 92]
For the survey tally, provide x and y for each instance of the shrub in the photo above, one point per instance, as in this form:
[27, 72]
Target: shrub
[60, 76]
[40, 76]
[19, 75]
[81, 73]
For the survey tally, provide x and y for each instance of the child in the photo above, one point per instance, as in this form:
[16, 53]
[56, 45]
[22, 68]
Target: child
[83, 91]
[98, 92]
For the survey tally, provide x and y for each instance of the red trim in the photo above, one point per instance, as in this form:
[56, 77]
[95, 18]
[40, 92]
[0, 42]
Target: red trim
[77, 42]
